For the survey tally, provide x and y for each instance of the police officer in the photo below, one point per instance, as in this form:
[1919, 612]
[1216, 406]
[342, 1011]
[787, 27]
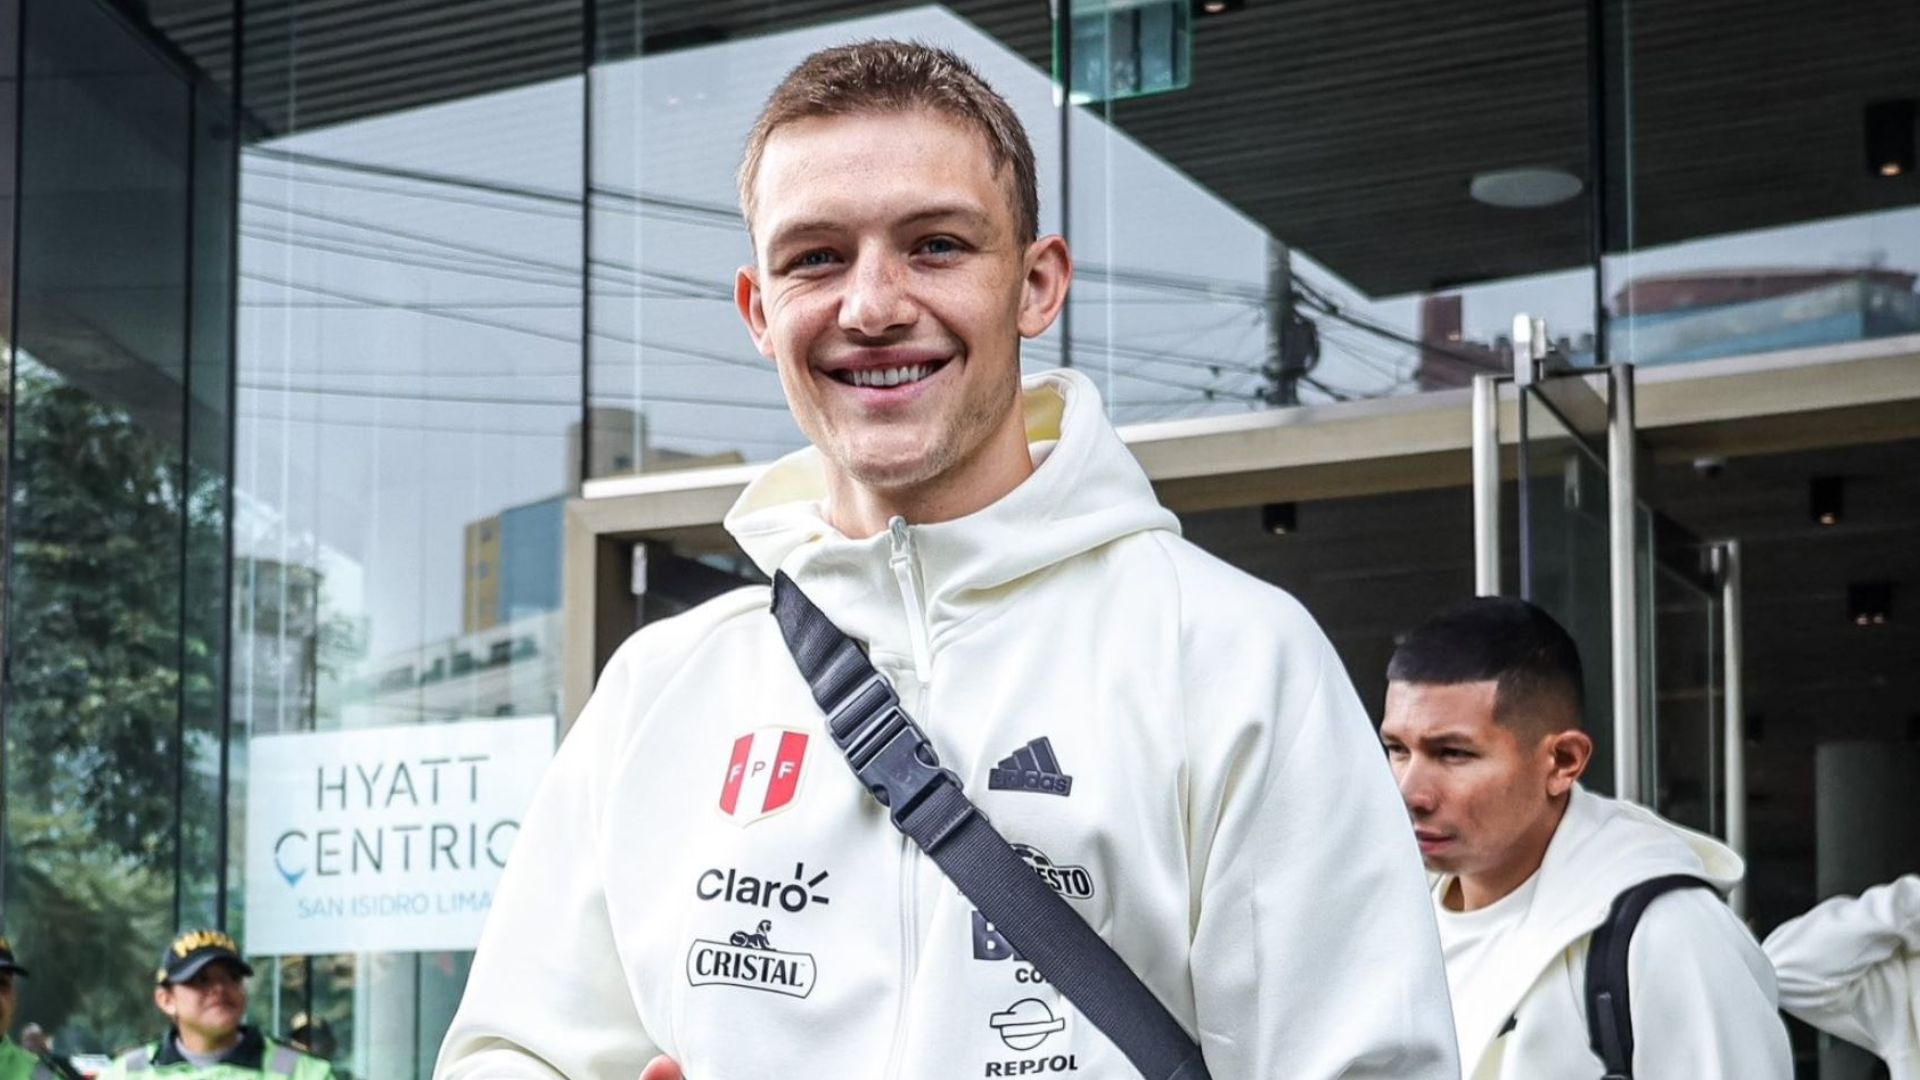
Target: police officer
[201, 986]
[16, 1061]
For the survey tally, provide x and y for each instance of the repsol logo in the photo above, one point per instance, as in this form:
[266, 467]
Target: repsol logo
[1058, 1063]
[733, 887]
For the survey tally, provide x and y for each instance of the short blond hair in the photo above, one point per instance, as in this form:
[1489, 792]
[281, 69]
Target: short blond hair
[882, 76]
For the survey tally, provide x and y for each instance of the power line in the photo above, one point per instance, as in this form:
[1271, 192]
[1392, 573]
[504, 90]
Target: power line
[1217, 367]
[433, 196]
[1319, 302]
[446, 305]
[422, 176]
[567, 273]
[484, 399]
[699, 212]
[454, 316]
[1337, 395]
[492, 431]
[376, 302]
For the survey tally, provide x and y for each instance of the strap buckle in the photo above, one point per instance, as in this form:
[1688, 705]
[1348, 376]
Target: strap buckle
[888, 751]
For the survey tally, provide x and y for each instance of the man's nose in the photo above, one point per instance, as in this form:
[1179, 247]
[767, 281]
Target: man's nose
[876, 302]
[1417, 790]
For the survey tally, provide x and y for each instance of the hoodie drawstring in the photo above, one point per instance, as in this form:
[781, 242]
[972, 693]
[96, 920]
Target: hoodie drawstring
[902, 562]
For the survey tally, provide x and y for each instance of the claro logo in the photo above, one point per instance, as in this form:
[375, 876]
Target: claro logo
[734, 887]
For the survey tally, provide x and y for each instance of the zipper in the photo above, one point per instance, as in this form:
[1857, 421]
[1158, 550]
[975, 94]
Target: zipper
[902, 563]
[909, 926]
[909, 953]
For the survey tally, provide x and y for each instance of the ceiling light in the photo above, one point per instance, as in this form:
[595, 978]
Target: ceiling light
[1890, 137]
[1827, 499]
[1217, 7]
[1279, 518]
[1870, 603]
[1524, 189]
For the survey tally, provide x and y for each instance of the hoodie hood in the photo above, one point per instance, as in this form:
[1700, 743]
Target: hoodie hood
[1086, 490]
[1602, 848]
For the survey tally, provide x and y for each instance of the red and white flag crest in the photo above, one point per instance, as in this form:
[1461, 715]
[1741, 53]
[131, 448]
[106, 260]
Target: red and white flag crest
[763, 774]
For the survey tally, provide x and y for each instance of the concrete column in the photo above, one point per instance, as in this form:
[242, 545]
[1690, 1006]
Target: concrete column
[1867, 830]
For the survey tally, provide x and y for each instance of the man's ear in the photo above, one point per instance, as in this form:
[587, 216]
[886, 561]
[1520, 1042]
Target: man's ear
[1048, 268]
[751, 303]
[163, 1000]
[1568, 755]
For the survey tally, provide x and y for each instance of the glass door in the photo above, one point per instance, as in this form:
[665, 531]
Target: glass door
[1682, 652]
[1563, 547]
[1653, 609]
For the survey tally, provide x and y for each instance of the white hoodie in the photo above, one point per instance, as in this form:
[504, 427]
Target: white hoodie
[1701, 992]
[1176, 742]
[1851, 967]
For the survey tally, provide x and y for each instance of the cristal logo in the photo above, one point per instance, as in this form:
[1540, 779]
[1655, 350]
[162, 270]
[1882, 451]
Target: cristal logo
[748, 960]
[734, 887]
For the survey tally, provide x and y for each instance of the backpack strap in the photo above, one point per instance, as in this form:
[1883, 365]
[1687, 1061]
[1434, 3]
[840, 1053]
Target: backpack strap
[893, 760]
[1609, 1010]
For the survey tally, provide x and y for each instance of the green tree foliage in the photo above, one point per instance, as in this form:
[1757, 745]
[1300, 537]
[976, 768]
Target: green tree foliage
[109, 539]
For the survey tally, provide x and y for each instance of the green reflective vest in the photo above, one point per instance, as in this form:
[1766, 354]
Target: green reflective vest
[253, 1058]
[19, 1063]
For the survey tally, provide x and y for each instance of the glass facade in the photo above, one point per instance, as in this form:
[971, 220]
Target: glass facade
[318, 310]
[412, 305]
[119, 414]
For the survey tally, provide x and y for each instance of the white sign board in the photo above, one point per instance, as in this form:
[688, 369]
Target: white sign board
[384, 839]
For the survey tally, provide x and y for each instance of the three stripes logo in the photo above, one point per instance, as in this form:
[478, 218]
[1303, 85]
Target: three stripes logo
[1031, 768]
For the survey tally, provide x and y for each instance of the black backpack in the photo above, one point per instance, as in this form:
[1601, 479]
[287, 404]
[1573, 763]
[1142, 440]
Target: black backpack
[1609, 1012]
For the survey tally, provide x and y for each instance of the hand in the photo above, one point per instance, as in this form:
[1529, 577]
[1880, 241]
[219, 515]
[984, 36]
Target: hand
[662, 1068]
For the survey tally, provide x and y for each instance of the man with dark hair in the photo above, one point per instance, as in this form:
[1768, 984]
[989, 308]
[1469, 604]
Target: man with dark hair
[1172, 747]
[1483, 731]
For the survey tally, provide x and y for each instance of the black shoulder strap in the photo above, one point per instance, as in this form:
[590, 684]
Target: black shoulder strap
[895, 762]
[1609, 1011]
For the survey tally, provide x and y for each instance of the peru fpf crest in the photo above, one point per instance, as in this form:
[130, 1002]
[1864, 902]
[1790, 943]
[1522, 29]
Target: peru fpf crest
[763, 774]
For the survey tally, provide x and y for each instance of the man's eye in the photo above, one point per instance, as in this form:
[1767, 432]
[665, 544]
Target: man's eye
[1396, 751]
[941, 245]
[811, 259]
[1454, 754]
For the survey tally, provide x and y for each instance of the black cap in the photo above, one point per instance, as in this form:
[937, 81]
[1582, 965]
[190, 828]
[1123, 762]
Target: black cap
[8, 964]
[192, 951]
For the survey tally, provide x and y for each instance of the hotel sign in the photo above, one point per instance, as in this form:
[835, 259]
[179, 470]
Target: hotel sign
[384, 839]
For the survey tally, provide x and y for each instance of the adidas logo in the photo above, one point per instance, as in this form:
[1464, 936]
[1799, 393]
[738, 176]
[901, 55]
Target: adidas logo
[1031, 768]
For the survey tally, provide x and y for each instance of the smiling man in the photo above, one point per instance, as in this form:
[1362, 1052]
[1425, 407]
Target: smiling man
[1483, 731]
[201, 986]
[1171, 746]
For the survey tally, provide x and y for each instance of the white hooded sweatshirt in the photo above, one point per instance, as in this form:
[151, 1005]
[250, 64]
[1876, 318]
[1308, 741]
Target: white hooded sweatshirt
[1851, 967]
[1701, 992]
[1176, 744]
